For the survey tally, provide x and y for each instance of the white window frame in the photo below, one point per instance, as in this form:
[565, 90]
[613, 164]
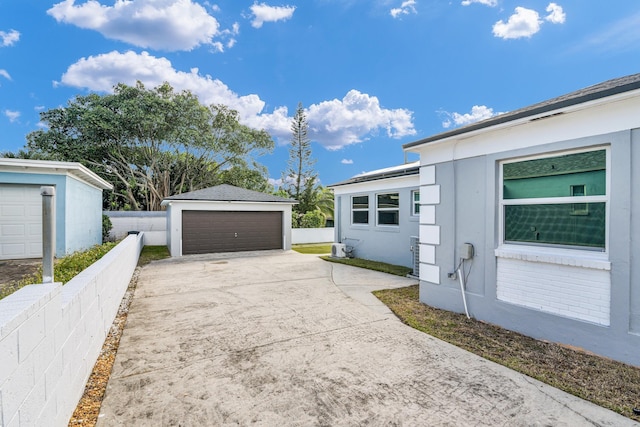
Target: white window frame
[415, 203]
[379, 209]
[352, 210]
[548, 248]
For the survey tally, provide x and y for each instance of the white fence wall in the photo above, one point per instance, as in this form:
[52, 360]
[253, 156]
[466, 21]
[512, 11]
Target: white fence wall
[154, 225]
[311, 235]
[51, 336]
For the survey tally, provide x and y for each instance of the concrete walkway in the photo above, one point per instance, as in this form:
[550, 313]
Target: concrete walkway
[271, 339]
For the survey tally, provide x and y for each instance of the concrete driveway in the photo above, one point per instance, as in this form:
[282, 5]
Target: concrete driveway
[271, 339]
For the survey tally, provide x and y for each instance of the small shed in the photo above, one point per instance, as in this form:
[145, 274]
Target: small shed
[78, 207]
[225, 218]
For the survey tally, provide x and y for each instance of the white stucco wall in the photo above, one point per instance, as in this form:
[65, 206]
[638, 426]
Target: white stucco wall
[83, 215]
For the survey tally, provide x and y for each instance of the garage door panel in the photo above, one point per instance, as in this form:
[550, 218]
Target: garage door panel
[20, 221]
[230, 231]
[13, 230]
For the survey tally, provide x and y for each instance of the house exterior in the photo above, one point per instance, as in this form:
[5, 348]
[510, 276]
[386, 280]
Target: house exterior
[538, 210]
[78, 207]
[225, 218]
[377, 213]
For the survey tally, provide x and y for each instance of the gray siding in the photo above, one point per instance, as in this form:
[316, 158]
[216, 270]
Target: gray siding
[390, 244]
[468, 212]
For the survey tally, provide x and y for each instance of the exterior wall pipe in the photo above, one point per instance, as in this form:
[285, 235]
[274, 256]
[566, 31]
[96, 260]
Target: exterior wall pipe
[48, 194]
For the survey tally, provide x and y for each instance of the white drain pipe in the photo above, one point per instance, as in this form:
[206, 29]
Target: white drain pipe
[464, 297]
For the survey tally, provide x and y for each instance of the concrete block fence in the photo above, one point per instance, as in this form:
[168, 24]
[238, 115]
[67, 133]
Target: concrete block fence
[311, 235]
[154, 226]
[51, 336]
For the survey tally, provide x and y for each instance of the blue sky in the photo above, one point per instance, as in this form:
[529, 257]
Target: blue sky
[371, 74]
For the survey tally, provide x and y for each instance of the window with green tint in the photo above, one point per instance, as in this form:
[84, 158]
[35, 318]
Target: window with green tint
[555, 176]
[577, 219]
[556, 225]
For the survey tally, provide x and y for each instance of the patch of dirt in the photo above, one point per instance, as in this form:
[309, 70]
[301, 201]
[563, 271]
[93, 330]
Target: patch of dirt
[14, 270]
[88, 409]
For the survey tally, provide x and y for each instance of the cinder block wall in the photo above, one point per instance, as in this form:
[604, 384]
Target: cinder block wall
[51, 336]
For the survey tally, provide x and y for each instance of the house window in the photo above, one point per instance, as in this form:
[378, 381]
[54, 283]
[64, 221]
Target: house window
[360, 210]
[415, 203]
[388, 209]
[558, 200]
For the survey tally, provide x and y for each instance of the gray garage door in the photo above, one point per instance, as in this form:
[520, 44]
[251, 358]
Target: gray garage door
[226, 231]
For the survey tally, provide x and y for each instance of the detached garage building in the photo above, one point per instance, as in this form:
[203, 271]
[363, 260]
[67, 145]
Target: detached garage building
[78, 207]
[227, 219]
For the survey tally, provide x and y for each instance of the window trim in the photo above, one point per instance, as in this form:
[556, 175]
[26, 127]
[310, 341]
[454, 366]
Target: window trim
[415, 203]
[352, 210]
[546, 247]
[379, 209]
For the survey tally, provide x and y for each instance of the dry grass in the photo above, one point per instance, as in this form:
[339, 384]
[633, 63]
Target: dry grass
[610, 384]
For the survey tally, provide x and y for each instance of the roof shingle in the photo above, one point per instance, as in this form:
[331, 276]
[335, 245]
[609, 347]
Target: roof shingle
[229, 193]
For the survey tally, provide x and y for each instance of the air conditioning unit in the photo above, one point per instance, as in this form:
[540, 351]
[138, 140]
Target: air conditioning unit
[338, 250]
[415, 248]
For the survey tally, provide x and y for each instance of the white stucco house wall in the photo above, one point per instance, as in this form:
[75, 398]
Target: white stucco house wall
[548, 196]
[78, 207]
[377, 214]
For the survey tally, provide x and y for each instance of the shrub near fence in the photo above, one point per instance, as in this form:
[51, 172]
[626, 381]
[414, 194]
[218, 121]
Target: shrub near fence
[51, 336]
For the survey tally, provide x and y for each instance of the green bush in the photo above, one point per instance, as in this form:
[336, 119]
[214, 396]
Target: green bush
[312, 219]
[64, 269]
[106, 227]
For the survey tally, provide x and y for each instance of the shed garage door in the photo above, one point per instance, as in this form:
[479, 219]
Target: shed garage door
[230, 231]
[20, 221]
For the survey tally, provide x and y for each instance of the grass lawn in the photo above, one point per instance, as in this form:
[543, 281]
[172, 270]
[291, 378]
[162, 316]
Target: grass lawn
[152, 253]
[398, 270]
[313, 248]
[610, 384]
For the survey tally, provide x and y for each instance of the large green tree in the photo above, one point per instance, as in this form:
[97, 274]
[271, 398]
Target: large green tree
[152, 143]
[300, 178]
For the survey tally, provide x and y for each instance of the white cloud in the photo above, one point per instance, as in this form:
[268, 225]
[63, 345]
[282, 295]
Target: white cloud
[407, 7]
[264, 13]
[10, 38]
[338, 123]
[5, 74]
[346, 161]
[491, 3]
[523, 23]
[556, 14]
[12, 115]
[334, 124]
[275, 182]
[165, 25]
[103, 72]
[478, 112]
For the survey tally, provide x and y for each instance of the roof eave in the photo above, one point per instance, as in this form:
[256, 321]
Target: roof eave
[531, 114]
